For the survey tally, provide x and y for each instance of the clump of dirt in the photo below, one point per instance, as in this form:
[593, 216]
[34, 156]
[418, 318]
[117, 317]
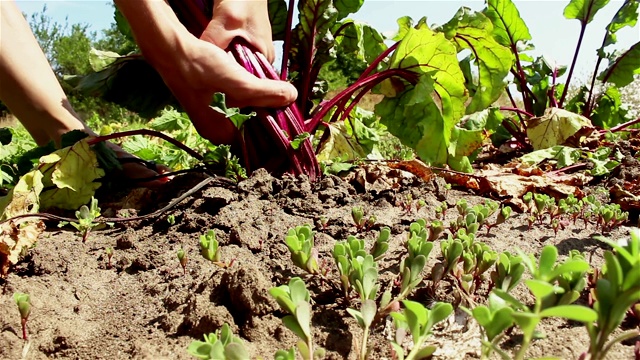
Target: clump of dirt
[143, 306]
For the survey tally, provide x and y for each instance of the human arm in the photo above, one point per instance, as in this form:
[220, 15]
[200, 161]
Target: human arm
[195, 69]
[28, 86]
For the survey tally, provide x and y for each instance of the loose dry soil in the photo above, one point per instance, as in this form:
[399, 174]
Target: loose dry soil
[144, 307]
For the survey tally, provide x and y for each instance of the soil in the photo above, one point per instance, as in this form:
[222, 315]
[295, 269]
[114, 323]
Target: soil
[140, 304]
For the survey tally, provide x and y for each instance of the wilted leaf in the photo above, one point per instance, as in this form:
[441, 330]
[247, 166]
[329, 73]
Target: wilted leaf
[72, 171]
[557, 127]
[506, 183]
[14, 238]
[24, 198]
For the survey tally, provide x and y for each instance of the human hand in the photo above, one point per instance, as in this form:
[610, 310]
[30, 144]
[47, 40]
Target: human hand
[248, 19]
[206, 69]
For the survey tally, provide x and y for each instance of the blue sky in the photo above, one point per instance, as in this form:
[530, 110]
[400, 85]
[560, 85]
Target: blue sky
[553, 35]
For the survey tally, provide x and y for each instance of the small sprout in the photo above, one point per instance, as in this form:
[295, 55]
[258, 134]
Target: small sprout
[300, 243]
[220, 345]
[420, 204]
[382, 244]
[171, 219]
[419, 320]
[24, 307]
[323, 222]
[371, 221]
[109, 252]
[182, 258]
[86, 216]
[365, 318]
[209, 247]
[358, 217]
[436, 228]
[295, 300]
[286, 354]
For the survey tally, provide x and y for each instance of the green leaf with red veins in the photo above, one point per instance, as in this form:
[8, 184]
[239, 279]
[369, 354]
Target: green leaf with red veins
[423, 116]
[622, 70]
[473, 31]
[360, 40]
[419, 125]
[584, 10]
[311, 44]
[346, 7]
[277, 18]
[627, 15]
[508, 27]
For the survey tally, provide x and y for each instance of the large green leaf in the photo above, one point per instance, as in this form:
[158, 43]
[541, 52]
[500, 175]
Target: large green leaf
[405, 23]
[508, 27]
[609, 111]
[346, 7]
[123, 82]
[584, 10]
[429, 53]
[627, 15]
[473, 31]
[622, 70]
[277, 18]
[311, 40]
[417, 123]
[359, 40]
[423, 116]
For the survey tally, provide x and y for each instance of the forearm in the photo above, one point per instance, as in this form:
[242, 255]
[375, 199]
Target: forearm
[158, 32]
[28, 86]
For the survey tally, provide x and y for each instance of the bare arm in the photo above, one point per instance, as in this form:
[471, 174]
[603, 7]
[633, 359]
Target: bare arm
[28, 86]
[195, 69]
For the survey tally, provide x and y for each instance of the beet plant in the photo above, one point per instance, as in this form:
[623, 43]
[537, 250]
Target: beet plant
[24, 307]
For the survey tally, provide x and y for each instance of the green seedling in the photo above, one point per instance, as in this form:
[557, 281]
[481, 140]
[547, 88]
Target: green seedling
[551, 300]
[493, 319]
[382, 244]
[357, 214]
[171, 219]
[420, 204]
[182, 258]
[503, 215]
[566, 279]
[617, 290]
[441, 210]
[419, 320]
[300, 243]
[418, 250]
[294, 299]
[365, 318]
[209, 247]
[436, 228]
[508, 272]
[24, 307]
[109, 252]
[221, 345]
[86, 216]
[323, 222]
[451, 251]
[356, 268]
[289, 354]
[610, 216]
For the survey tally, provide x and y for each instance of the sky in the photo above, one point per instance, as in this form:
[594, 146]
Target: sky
[553, 35]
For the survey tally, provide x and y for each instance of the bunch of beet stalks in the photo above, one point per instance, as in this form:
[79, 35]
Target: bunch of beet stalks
[266, 140]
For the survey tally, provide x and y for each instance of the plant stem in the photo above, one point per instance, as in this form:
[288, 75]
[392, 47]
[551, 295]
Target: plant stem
[621, 127]
[363, 347]
[517, 110]
[583, 27]
[147, 132]
[286, 46]
[24, 329]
